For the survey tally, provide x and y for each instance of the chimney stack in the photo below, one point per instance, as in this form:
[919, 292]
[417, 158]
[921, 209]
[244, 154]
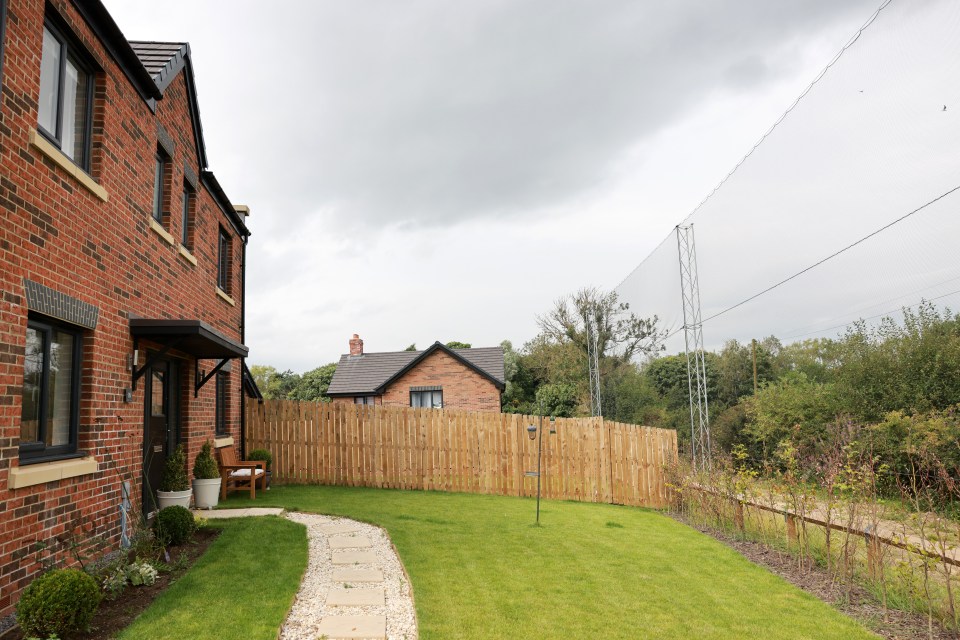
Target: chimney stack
[356, 346]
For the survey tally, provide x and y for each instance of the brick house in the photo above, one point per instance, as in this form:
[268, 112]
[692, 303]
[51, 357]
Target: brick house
[437, 377]
[122, 268]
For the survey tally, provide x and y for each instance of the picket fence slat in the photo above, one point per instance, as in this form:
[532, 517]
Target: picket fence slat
[587, 459]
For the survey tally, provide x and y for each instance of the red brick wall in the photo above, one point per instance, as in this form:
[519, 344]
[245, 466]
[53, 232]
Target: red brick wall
[55, 232]
[463, 388]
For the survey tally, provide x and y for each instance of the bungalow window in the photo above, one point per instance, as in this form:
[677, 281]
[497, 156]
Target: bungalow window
[223, 261]
[427, 398]
[363, 400]
[66, 97]
[50, 403]
[223, 380]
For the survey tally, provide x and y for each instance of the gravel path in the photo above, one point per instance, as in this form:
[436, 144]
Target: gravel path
[310, 605]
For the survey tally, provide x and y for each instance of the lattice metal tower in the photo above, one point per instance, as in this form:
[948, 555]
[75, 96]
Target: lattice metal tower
[693, 342]
[593, 358]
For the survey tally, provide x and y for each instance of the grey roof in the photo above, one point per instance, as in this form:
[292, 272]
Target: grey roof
[364, 375]
[162, 60]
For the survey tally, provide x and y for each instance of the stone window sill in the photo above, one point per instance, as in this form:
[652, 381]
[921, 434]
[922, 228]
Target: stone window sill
[225, 297]
[30, 475]
[224, 441]
[41, 144]
[186, 255]
[160, 231]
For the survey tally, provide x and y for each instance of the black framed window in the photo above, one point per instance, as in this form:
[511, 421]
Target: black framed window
[186, 218]
[363, 400]
[223, 261]
[430, 399]
[66, 97]
[223, 405]
[50, 401]
[159, 176]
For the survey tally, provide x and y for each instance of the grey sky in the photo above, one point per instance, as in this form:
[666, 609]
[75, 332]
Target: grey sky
[431, 170]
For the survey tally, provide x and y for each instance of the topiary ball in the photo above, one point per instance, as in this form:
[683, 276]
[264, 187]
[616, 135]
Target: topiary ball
[58, 602]
[174, 525]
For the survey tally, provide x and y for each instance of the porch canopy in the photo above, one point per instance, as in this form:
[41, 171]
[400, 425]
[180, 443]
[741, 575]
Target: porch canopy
[193, 337]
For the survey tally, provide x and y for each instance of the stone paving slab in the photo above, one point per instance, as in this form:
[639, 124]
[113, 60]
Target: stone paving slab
[357, 575]
[356, 597]
[354, 557]
[340, 627]
[349, 542]
[342, 527]
[214, 514]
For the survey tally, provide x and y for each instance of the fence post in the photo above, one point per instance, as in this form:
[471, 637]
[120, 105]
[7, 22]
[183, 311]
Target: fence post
[738, 515]
[873, 552]
[791, 521]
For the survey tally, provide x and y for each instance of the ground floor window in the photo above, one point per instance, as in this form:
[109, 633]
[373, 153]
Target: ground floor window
[431, 398]
[50, 405]
[223, 408]
[363, 400]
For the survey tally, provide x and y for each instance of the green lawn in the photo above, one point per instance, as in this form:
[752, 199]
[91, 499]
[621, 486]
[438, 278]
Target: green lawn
[481, 570]
[242, 587]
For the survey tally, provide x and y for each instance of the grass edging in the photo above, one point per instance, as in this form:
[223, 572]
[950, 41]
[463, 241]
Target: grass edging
[243, 587]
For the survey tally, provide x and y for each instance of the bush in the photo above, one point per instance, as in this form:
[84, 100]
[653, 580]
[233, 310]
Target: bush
[175, 472]
[204, 466]
[174, 525]
[58, 602]
[261, 454]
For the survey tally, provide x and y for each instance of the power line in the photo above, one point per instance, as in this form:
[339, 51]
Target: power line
[833, 255]
[853, 39]
[810, 86]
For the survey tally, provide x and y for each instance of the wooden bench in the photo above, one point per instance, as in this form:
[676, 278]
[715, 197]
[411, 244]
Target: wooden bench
[240, 476]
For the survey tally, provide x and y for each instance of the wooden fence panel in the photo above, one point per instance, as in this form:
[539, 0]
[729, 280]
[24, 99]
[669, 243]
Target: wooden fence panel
[586, 459]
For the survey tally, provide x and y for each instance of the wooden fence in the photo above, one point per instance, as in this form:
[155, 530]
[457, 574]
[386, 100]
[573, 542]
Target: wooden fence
[586, 459]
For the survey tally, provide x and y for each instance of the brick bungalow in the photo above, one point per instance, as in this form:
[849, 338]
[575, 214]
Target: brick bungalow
[122, 268]
[437, 377]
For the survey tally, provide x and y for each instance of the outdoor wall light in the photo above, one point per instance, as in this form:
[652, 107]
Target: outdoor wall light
[531, 432]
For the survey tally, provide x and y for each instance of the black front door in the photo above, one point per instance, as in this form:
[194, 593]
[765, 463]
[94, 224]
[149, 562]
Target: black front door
[161, 427]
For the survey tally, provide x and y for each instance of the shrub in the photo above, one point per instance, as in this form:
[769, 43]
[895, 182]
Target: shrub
[204, 466]
[141, 573]
[175, 472]
[263, 455]
[174, 525]
[58, 602]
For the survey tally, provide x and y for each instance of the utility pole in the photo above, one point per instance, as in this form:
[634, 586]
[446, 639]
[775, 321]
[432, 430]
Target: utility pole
[753, 343]
[693, 343]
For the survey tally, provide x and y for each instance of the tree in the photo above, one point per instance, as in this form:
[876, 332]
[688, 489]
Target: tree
[314, 384]
[453, 344]
[412, 347]
[274, 384]
[620, 334]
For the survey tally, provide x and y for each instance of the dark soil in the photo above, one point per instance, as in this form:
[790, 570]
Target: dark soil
[815, 580]
[114, 615]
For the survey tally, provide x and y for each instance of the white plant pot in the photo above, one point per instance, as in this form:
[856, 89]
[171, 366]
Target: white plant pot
[174, 498]
[206, 493]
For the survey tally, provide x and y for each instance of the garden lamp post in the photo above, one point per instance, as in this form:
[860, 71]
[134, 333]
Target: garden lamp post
[532, 432]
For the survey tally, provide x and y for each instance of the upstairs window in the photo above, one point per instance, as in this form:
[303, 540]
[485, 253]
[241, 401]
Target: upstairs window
[159, 178]
[429, 398]
[186, 219]
[66, 98]
[223, 261]
[50, 401]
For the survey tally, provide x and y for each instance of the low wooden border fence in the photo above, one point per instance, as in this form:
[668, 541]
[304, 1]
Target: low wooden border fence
[586, 459]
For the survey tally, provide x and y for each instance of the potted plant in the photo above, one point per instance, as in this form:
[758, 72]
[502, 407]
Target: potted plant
[174, 484]
[264, 456]
[206, 478]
